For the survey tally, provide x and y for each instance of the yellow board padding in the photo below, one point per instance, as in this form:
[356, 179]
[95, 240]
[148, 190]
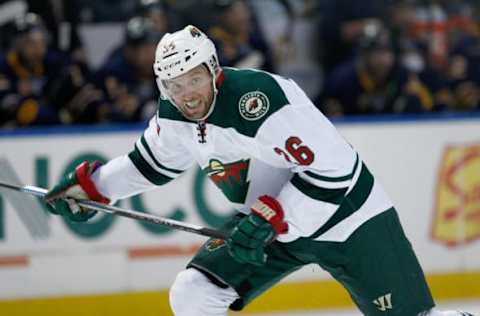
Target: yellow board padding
[464, 285]
[284, 297]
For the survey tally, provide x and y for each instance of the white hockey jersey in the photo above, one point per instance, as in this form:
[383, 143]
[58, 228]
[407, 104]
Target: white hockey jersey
[264, 136]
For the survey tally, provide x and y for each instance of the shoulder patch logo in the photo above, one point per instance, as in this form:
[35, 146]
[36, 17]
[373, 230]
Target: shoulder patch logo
[253, 105]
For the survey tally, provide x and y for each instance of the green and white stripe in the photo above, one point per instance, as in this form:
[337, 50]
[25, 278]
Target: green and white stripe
[329, 195]
[321, 181]
[326, 189]
[353, 200]
[343, 195]
[149, 166]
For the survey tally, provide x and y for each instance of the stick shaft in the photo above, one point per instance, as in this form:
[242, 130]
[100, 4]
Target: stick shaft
[92, 205]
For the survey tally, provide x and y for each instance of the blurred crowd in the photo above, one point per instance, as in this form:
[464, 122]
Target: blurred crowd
[375, 56]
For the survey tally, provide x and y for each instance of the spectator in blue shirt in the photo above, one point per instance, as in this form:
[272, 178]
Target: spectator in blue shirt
[127, 78]
[28, 73]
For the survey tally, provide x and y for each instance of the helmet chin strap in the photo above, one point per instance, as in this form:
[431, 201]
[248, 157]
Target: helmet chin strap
[212, 105]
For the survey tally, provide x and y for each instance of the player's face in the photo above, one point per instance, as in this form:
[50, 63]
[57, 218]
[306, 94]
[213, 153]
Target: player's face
[192, 92]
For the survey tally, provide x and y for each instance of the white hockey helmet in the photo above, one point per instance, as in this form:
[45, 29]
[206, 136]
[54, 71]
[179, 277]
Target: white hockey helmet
[181, 51]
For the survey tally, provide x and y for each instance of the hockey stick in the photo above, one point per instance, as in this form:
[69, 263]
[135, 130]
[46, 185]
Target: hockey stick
[29, 209]
[95, 206]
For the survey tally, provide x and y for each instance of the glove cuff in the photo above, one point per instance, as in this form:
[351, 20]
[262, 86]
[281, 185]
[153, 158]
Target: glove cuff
[270, 210]
[83, 174]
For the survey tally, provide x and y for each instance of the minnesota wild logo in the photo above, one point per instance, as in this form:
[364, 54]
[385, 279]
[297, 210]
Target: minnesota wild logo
[231, 178]
[214, 244]
[253, 105]
[195, 32]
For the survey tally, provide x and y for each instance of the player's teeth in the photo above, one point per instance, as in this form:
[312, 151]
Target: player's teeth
[191, 104]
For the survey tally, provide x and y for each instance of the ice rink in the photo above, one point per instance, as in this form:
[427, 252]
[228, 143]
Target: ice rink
[472, 306]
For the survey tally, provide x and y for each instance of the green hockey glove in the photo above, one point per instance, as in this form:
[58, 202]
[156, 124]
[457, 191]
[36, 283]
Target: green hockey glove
[254, 232]
[77, 185]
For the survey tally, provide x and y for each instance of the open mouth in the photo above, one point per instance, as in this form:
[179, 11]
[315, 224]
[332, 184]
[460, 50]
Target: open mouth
[191, 105]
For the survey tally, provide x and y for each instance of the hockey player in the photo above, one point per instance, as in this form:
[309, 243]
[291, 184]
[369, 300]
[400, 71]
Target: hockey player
[303, 193]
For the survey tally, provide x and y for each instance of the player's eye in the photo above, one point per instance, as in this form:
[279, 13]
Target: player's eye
[175, 88]
[196, 81]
